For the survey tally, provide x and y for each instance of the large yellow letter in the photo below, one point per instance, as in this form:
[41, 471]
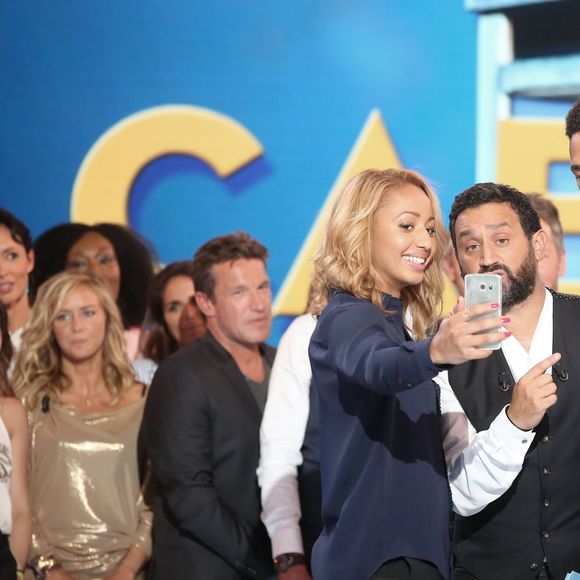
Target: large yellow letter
[103, 184]
[373, 148]
[525, 150]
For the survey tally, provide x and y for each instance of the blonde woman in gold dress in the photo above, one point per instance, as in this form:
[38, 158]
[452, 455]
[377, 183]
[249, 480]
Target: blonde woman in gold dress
[85, 408]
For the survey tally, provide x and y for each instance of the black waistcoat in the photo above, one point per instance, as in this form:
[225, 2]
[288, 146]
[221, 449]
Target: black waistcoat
[309, 485]
[539, 516]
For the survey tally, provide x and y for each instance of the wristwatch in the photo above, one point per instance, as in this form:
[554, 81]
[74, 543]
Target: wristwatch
[42, 565]
[285, 561]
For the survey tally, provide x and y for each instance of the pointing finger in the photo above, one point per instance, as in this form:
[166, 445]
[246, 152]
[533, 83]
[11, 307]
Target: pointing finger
[544, 365]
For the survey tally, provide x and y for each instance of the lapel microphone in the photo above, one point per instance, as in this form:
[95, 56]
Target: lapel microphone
[504, 381]
[561, 373]
[45, 404]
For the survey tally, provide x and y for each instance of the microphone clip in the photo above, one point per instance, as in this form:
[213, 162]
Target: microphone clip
[504, 382]
[560, 372]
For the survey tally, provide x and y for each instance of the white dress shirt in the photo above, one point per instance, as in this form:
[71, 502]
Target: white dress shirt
[282, 436]
[482, 466]
[144, 369]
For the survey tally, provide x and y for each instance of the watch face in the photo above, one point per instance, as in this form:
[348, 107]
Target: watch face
[284, 562]
[281, 563]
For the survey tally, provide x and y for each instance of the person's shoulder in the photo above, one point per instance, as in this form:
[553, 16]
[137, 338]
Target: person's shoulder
[567, 302]
[11, 405]
[345, 315]
[299, 331]
[562, 297]
[302, 324]
[187, 356]
[347, 305]
[134, 393]
[189, 366]
[342, 299]
[13, 414]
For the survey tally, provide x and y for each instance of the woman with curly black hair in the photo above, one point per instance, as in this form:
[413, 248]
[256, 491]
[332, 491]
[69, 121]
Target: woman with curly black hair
[111, 252]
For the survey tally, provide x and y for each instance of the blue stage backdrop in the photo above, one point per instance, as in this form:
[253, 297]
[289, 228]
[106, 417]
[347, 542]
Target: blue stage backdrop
[300, 77]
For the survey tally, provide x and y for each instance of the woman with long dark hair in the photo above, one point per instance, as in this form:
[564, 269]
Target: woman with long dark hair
[16, 265]
[173, 318]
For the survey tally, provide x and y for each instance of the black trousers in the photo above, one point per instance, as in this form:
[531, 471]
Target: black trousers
[407, 569]
[460, 573]
[7, 561]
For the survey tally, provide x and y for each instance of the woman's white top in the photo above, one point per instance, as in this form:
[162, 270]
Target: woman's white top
[16, 339]
[5, 473]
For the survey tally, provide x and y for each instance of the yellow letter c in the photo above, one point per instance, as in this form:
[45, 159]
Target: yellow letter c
[103, 183]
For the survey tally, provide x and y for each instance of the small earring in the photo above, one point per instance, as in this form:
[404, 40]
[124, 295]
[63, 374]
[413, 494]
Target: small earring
[27, 291]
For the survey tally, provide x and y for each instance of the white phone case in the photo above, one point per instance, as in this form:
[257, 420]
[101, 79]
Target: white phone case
[483, 289]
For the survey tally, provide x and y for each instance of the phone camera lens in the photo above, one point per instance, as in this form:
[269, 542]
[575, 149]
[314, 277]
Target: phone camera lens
[482, 286]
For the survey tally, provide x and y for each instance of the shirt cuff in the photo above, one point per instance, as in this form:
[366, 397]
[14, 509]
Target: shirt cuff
[511, 436]
[287, 540]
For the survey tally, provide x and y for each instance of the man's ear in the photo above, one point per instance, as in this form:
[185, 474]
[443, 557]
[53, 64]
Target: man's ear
[205, 304]
[539, 240]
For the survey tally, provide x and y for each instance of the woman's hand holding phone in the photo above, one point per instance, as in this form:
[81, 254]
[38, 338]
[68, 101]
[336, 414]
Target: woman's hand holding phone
[464, 334]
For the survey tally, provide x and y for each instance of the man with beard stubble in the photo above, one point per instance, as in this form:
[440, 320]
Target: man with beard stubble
[510, 421]
[202, 420]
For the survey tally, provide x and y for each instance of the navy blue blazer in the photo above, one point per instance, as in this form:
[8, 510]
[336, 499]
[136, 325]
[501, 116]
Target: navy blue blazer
[385, 493]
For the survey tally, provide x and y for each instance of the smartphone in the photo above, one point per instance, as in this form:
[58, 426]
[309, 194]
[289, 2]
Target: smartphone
[483, 289]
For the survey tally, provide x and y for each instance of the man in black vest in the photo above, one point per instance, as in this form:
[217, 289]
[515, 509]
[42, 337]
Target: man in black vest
[511, 421]
[201, 424]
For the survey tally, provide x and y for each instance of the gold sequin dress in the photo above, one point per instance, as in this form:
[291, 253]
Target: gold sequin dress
[84, 487]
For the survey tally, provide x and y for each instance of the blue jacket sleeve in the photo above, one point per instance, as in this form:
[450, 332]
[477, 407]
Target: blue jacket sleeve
[357, 340]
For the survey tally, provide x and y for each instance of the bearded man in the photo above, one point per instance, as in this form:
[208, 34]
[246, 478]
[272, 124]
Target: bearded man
[511, 420]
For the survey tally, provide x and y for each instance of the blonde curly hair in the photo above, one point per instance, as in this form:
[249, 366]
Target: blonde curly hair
[38, 369]
[343, 259]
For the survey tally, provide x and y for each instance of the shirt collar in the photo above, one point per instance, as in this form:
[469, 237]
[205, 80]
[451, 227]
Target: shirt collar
[521, 361]
[392, 304]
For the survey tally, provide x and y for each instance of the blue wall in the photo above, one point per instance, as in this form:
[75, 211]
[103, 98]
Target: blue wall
[301, 76]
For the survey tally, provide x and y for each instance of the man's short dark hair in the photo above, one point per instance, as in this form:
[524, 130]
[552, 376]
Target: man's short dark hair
[229, 248]
[549, 213]
[573, 120]
[484, 193]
